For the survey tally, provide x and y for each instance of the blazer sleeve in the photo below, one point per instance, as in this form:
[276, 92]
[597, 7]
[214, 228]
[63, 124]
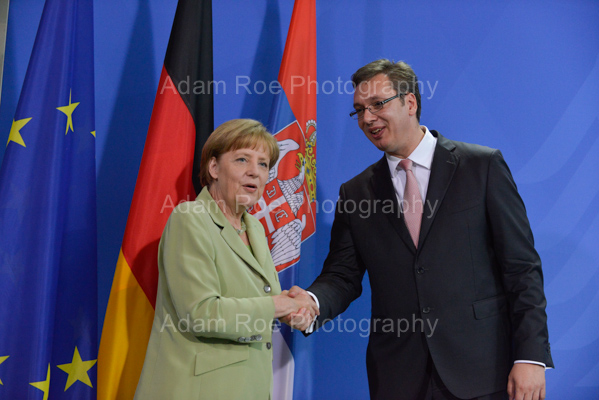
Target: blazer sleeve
[194, 282]
[520, 264]
[340, 281]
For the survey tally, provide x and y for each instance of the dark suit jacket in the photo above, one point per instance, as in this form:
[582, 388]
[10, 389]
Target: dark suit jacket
[471, 295]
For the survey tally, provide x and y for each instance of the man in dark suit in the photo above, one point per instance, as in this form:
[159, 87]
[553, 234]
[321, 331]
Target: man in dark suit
[458, 307]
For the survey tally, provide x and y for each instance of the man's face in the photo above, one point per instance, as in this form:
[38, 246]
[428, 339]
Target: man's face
[392, 128]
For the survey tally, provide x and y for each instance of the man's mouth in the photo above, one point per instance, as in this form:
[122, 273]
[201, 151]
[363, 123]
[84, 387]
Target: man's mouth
[376, 132]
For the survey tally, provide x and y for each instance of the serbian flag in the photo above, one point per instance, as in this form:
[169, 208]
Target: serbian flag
[181, 121]
[287, 208]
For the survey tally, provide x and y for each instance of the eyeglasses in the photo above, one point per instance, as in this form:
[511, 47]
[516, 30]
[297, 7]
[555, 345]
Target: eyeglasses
[373, 108]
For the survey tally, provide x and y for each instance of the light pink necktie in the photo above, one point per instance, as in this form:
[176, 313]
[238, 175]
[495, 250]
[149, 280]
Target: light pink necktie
[412, 202]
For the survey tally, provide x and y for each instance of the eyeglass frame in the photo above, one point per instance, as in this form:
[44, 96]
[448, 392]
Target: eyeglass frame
[355, 114]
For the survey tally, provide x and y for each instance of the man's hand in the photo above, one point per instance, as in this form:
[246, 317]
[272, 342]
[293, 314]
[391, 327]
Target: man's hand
[300, 320]
[305, 299]
[526, 382]
[303, 318]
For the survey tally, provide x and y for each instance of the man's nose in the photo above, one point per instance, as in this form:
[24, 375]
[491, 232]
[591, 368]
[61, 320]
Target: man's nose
[369, 116]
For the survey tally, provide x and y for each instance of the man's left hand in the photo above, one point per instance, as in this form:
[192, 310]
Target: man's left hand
[526, 382]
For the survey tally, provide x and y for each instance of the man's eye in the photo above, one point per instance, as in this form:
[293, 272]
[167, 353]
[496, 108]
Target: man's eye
[359, 110]
[377, 104]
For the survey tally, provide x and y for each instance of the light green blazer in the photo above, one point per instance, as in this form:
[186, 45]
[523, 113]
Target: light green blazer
[212, 331]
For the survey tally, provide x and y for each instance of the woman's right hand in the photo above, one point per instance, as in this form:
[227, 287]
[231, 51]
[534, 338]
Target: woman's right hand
[285, 305]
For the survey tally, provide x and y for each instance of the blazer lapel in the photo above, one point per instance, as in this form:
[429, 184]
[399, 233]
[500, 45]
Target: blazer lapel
[237, 245]
[231, 237]
[382, 186]
[443, 167]
[257, 240]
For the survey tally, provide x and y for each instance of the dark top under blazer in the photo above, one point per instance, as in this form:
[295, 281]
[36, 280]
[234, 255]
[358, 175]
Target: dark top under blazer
[476, 273]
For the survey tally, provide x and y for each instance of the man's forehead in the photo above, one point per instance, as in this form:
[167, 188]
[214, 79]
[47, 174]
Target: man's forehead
[377, 87]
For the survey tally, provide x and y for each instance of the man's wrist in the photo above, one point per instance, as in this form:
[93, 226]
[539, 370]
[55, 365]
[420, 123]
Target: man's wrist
[531, 362]
[310, 329]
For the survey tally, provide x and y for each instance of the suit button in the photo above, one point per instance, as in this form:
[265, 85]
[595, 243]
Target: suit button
[242, 339]
[420, 270]
[268, 345]
[267, 289]
[256, 338]
[426, 310]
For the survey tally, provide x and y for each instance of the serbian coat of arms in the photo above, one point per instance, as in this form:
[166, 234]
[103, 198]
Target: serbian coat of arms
[287, 209]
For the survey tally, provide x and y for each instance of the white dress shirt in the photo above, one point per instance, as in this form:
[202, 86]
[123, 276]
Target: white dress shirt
[422, 159]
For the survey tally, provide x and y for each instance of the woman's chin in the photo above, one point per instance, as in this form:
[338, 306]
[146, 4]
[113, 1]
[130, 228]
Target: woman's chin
[242, 206]
[246, 205]
[248, 200]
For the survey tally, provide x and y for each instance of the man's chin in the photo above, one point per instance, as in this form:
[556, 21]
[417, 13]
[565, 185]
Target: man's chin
[379, 145]
[377, 142]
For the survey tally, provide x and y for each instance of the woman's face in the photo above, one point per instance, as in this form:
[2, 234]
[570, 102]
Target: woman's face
[239, 177]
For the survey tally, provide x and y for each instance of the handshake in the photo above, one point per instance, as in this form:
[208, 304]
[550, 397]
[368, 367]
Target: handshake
[296, 308]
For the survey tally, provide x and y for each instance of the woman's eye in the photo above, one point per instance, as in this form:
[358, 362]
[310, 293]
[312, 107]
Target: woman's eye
[264, 165]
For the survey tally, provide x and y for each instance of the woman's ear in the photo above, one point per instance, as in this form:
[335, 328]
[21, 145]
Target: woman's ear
[213, 168]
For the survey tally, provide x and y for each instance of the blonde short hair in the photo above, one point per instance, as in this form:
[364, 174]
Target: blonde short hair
[234, 135]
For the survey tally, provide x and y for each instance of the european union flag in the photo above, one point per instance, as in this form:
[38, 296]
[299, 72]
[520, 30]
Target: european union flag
[48, 305]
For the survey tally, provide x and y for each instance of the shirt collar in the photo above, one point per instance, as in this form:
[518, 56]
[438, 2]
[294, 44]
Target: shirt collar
[422, 154]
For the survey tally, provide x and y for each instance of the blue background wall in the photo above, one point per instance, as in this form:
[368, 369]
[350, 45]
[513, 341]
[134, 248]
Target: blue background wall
[522, 76]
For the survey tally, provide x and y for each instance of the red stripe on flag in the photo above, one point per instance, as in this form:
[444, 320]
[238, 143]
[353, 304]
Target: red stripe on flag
[163, 181]
[298, 67]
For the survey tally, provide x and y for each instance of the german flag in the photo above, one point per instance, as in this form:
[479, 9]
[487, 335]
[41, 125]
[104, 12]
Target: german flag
[181, 122]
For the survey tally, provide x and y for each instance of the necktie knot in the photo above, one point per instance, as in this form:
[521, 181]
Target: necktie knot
[406, 164]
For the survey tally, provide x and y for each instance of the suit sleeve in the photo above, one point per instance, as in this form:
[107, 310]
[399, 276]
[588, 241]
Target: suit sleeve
[194, 284]
[520, 264]
[340, 281]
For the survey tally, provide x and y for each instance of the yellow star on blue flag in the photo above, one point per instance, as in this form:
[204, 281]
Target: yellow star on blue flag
[77, 370]
[2, 359]
[44, 386]
[68, 111]
[15, 131]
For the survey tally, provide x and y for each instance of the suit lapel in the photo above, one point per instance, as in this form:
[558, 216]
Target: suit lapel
[443, 167]
[233, 240]
[383, 189]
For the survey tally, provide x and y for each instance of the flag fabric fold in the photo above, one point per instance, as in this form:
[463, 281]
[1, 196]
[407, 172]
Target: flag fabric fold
[287, 208]
[181, 121]
[48, 252]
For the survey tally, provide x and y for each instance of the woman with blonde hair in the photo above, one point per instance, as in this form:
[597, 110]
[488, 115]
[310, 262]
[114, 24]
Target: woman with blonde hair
[218, 290]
